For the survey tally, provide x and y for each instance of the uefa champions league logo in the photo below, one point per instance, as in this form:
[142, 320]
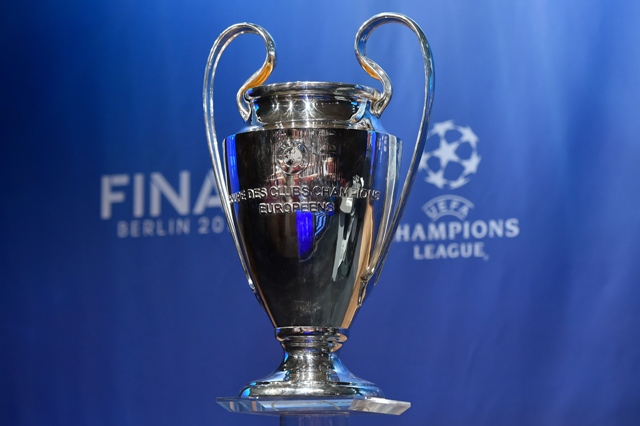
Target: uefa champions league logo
[451, 155]
[456, 229]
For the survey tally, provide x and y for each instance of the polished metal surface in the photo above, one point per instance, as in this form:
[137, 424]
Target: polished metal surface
[324, 406]
[311, 368]
[312, 105]
[310, 206]
[310, 190]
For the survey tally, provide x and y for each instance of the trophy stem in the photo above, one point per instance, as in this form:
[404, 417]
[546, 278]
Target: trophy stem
[311, 367]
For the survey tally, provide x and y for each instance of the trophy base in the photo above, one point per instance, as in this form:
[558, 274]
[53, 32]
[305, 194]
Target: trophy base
[302, 406]
[311, 368]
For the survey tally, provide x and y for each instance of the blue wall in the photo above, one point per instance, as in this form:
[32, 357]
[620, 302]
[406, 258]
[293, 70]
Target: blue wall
[522, 309]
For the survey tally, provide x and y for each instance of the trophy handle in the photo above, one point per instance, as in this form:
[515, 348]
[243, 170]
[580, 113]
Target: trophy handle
[259, 77]
[374, 70]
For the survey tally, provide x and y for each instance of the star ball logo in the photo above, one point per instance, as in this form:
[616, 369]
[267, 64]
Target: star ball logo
[454, 159]
[450, 160]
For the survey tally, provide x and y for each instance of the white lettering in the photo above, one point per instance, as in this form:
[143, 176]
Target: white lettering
[217, 224]
[479, 229]
[402, 233]
[465, 230]
[418, 233]
[123, 229]
[108, 196]
[153, 227]
[449, 251]
[159, 185]
[438, 232]
[147, 228]
[454, 229]
[496, 228]
[206, 198]
[160, 231]
[512, 227]
[138, 195]
[183, 226]
[134, 228]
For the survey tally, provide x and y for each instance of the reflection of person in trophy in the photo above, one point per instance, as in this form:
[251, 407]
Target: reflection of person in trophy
[348, 222]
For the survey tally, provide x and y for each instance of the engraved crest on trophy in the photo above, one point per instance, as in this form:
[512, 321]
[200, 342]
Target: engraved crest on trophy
[292, 156]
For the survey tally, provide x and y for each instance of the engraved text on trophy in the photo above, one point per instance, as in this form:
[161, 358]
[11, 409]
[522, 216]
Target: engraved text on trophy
[304, 178]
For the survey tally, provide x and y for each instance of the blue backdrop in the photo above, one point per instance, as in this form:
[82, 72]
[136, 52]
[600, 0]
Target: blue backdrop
[510, 295]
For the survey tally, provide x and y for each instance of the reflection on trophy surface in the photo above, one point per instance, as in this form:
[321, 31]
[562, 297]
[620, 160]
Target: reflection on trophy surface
[310, 188]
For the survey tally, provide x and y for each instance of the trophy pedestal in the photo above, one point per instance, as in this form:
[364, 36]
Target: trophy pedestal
[311, 368]
[331, 411]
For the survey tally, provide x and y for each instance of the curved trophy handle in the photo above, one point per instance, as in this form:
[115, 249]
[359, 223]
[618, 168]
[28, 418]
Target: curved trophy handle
[381, 250]
[259, 77]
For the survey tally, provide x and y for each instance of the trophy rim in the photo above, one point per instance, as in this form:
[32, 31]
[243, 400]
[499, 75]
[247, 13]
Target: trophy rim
[348, 90]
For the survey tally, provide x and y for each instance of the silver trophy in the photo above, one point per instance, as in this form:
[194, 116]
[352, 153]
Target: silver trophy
[310, 192]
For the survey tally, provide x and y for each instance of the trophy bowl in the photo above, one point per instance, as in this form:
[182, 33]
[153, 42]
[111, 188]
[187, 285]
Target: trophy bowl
[310, 189]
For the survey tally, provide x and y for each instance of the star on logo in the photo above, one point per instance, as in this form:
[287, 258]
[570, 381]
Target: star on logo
[437, 179]
[441, 128]
[468, 135]
[446, 152]
[471, 165]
